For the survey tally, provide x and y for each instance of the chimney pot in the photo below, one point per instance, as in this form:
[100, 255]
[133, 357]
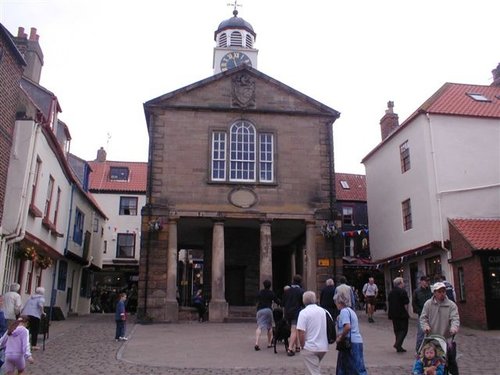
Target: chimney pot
[33, 35]
[389, 122]
[496, 76]
[20, 32]
[101, 155]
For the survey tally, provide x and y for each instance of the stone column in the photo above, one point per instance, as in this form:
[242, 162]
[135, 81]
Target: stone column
[218, 307]
[312, 258]
[266, 253]
[172, 306]
[293, 263]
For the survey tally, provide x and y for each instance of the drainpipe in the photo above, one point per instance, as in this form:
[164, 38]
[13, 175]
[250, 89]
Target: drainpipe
[149, 213]
[22, 216]
[53, 294]
[436, 184]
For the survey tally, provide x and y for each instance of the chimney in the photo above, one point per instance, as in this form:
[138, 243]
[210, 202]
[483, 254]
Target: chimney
[32, 52]
[496, 76]
[389, 122]
[101, 155]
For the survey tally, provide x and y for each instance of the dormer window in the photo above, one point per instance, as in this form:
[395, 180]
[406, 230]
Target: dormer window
[118, 173]
[223, 40]
[236, 39]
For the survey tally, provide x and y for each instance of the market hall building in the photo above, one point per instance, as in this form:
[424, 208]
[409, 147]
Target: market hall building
[240, 183]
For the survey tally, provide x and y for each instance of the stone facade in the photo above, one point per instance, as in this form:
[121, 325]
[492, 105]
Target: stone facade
[247, 231]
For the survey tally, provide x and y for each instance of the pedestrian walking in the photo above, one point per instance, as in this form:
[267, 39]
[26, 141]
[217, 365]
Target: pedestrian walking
[450, 291]
[326, 297]
[120, 318]
[346, 289]
[350, 361]
[440, 317]
[292, 304]
[420, 296]
[33, 309]
[12, 303]
[311, 329]
[370, 292]
[17, 347]
[199, 304]
[398, 312]
[264, 317]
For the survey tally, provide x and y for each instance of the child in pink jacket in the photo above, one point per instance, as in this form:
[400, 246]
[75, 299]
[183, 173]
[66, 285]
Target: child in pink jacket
[17, 347]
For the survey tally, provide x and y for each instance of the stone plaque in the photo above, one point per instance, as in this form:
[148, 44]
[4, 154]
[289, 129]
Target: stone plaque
[242, 197]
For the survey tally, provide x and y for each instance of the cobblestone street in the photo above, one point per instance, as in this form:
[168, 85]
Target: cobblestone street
[85, 345]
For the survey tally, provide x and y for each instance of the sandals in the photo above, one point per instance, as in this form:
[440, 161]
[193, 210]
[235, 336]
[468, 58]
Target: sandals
[256, 347]
[290, 353]
[297, 350]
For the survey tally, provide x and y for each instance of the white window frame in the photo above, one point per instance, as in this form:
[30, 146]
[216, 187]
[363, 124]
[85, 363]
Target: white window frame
[242, 152]
[219, 142]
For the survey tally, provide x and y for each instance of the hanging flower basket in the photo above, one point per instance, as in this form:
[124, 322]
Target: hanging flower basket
[43, 261]
[328, 229]
[27, 253]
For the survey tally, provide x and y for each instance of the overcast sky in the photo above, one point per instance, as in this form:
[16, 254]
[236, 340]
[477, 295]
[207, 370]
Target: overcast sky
[105, 58]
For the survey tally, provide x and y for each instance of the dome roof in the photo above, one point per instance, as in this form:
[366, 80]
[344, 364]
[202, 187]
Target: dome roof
[235, 22]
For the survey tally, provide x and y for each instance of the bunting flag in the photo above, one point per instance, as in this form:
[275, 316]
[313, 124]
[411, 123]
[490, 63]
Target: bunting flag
[353, 233]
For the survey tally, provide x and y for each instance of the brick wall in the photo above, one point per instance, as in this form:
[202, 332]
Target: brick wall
[472, 306]
[10, 75]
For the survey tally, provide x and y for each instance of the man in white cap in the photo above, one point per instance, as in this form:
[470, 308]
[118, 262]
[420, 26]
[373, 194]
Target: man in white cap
[440, 317]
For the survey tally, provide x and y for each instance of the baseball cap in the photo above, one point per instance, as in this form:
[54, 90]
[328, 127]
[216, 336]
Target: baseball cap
[437, 286]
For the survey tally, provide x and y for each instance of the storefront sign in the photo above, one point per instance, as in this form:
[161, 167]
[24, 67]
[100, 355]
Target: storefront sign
[324, 262]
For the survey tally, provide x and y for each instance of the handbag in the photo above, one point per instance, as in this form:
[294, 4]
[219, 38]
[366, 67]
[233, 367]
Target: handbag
[345, 344]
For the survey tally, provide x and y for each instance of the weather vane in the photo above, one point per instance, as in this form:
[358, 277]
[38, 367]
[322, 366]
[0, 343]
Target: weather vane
[235, 4]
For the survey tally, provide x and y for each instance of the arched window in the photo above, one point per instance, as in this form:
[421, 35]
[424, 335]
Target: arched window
[223, 40]
[236, 39]
[242, 152]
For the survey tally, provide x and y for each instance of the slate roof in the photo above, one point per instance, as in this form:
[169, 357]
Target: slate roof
[101, 182]
[356, 190]
[482, 234]
[11, 45]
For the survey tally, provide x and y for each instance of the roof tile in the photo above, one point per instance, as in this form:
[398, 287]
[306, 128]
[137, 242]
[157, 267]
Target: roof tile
[482, 234]
[100, 181]
[356, 184]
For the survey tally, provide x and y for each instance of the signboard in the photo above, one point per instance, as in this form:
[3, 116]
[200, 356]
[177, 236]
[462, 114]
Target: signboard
[324, 262]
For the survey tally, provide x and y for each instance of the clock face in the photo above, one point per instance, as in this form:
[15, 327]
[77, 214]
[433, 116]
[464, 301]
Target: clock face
[234, 59]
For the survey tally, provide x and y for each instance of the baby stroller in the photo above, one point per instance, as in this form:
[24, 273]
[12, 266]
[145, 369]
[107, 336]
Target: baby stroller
[442, 348]
[281, 329]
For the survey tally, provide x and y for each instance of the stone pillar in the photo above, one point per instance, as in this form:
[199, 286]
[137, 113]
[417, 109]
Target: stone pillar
[172, 306]
[293, 263]
[218, 307]
[266, 253]
[312, 258]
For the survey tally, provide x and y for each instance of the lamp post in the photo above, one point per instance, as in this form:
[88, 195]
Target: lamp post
[332, 230]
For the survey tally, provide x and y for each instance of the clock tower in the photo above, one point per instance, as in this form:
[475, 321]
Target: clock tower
[234, 40]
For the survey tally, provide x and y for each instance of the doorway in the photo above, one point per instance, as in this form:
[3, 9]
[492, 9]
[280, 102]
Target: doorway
[235, 285]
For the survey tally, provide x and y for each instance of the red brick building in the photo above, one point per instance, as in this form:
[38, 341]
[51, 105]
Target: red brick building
[475, 245]
[11, 70]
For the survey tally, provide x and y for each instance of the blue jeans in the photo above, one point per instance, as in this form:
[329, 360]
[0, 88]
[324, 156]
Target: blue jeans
[120, 329]
[351, 362]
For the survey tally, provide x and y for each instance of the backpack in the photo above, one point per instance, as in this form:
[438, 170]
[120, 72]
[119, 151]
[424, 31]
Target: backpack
[330, 328]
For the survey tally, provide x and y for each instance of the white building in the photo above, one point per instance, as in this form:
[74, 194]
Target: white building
[442, 162]
[47, 237]
[120, 189]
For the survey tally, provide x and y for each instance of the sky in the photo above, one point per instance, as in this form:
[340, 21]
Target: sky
[104, 58]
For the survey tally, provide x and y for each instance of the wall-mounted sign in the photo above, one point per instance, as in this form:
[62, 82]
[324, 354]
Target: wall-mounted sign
[242, 197]
[324, 262]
